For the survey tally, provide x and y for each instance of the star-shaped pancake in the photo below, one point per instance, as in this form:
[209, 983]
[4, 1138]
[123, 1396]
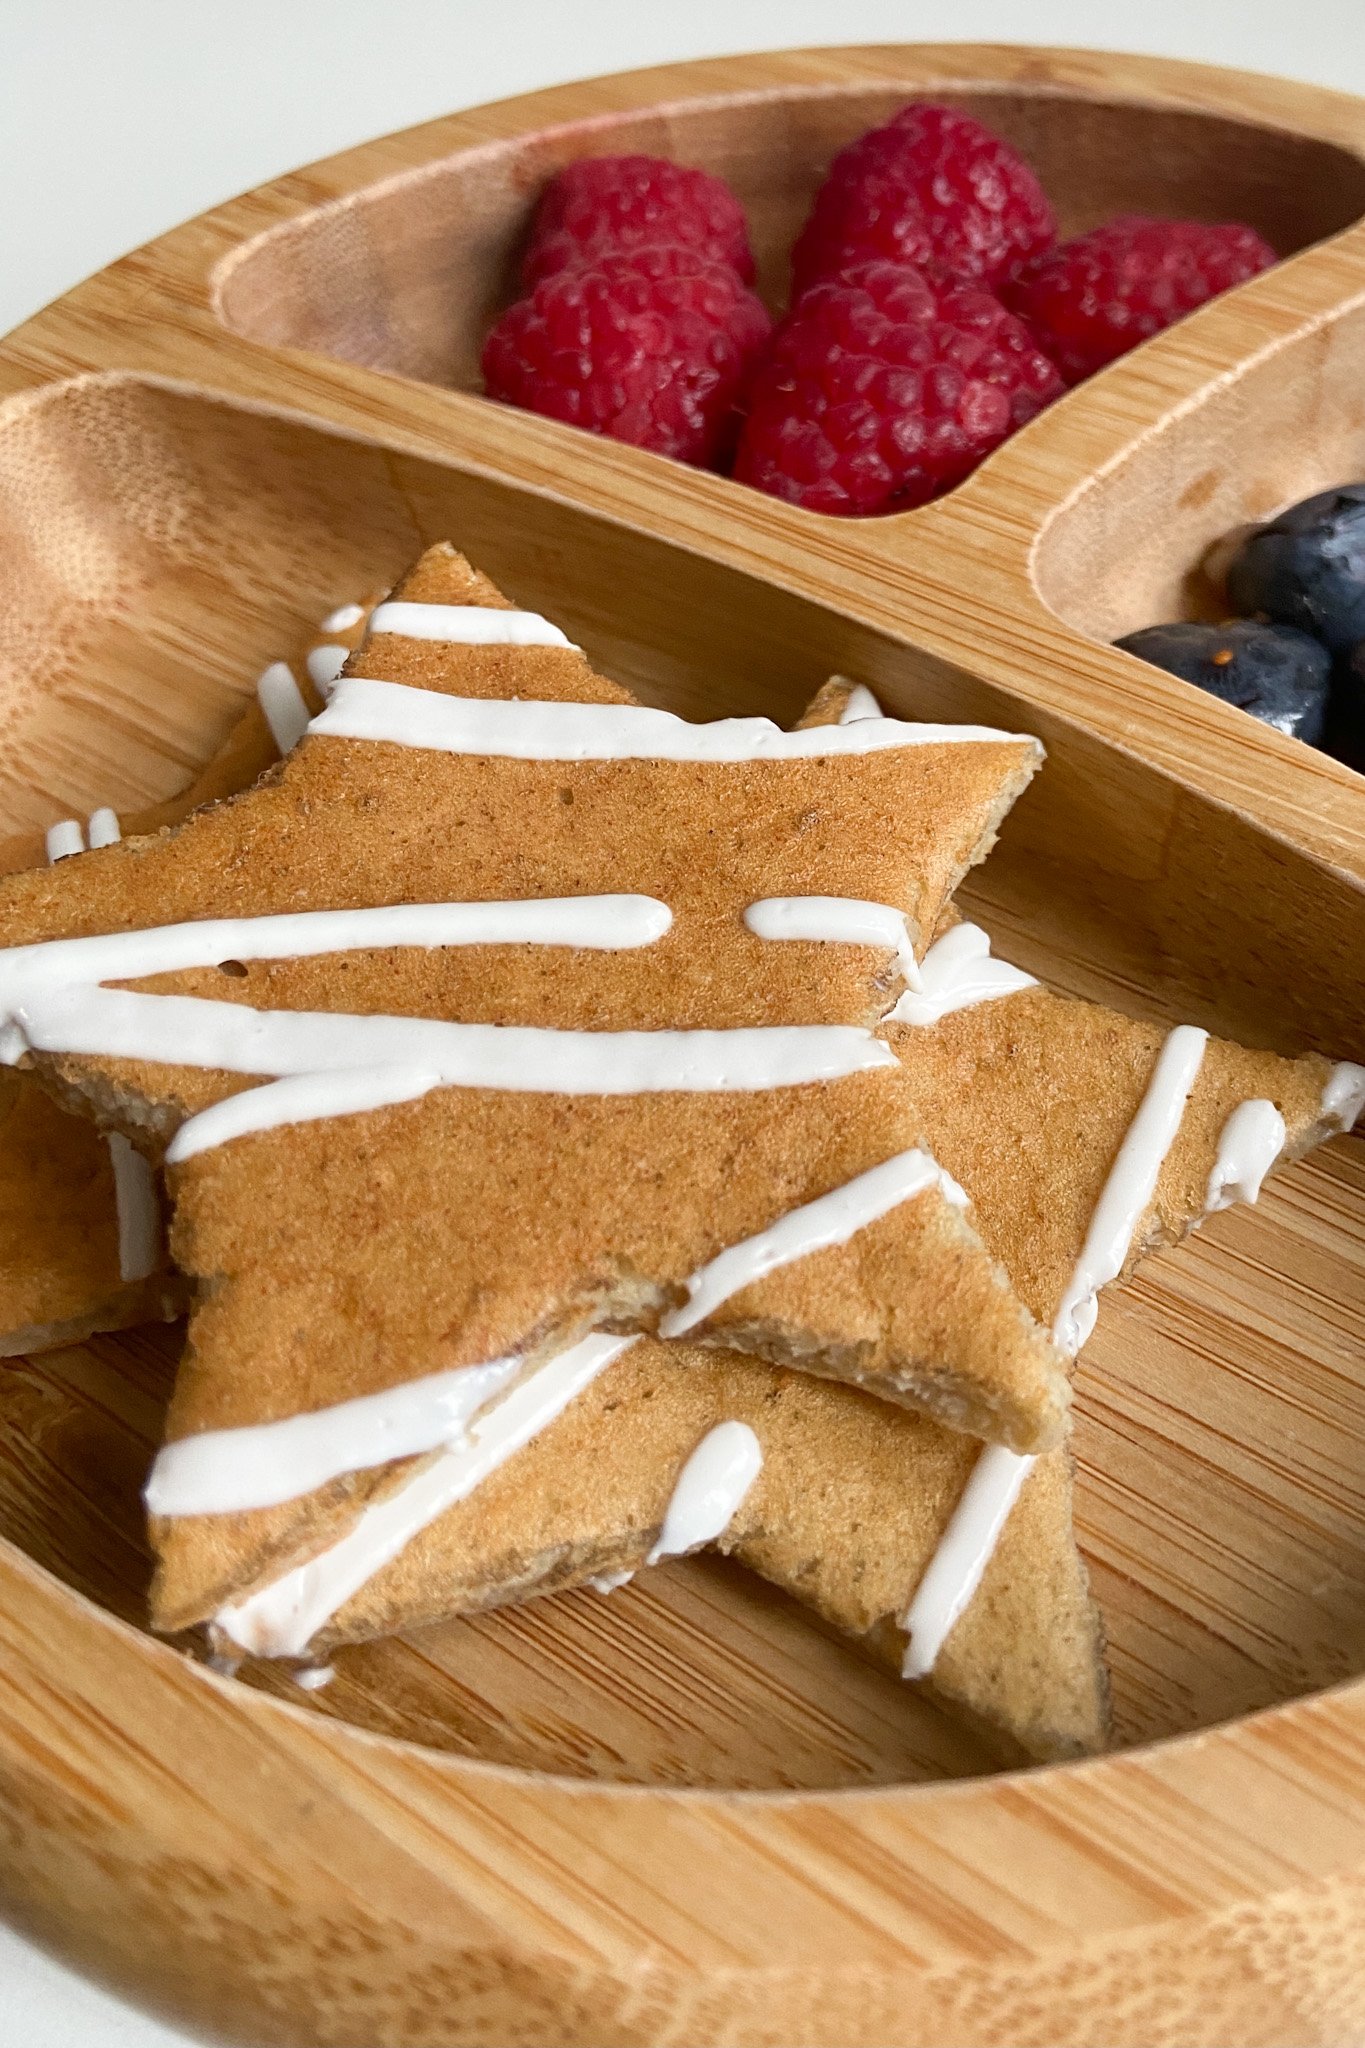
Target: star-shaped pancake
[856, 1502]
[343, 1255]
[1023, 1656]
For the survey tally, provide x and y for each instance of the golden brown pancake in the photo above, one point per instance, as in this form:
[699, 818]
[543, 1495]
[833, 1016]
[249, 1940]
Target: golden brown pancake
[854, 1494]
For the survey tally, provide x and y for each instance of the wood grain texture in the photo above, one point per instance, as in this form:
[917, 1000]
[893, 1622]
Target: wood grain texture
[683, 1815]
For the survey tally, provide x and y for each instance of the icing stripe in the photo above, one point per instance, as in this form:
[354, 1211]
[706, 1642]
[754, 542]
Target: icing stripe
[840, 920]
[1131, 1184]
[343, 618]
[956, 973]
[281, 701]
[325, 664]
[226, 1471]
[233, 1038]
[1344, 1096]
[63, 839]
[860, 704]
[103, 828]
[608, 1582]
[471, 625]
[511, 1057]
[138, 1206]
[1251, 1141]
[709, 1490]
[532, 730]
[964, 1550]
[603, 923]
[829, 1220]
[303, 1099]
[281, 1619]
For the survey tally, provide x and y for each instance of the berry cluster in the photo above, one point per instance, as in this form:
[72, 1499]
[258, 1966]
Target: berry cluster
[933, 312]
[638, 322]
[1296, 658]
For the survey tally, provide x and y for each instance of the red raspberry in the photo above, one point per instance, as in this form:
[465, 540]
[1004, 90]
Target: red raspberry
[604, 203]
[932, 187]
[1094, 298]
[883, 388]
[651, 348]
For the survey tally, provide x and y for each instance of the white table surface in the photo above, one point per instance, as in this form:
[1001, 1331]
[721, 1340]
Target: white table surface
[119, 118]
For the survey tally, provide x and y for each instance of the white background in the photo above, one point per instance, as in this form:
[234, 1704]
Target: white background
[119, 118]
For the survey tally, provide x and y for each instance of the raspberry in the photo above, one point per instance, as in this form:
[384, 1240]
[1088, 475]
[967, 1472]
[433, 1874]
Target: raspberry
[650, 347]
[1094, 298]
[932, 187]
[883, 388]
[606, 203]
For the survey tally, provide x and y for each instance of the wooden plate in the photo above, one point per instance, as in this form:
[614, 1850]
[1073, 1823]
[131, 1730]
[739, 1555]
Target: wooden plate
[684, 1815]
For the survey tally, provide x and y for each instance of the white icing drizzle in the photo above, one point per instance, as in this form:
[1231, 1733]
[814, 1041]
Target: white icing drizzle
[314, 1676]
[343, 618]
[282, 703]
[609, 1582]
[431, 1053]
[137, 1202]
[63, 839]
[1250, 1142]
[602, 923]
[1344, 1096]
[282, 1618]
[964, 1550]
[306, 1098]
[709, 1490]
[829, 1220]
[518, 1058]
[956, 973]
[227, 1471]
[839, 920]
[103, 828]
[533, 730]
[325, 664]
[472, 625]
[1131, 1184]
[860, 703]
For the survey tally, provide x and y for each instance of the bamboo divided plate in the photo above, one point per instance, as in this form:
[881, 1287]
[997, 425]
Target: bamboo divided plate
[684, 1815]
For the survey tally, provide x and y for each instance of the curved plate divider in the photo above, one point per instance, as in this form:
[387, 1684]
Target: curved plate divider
[683, 1814]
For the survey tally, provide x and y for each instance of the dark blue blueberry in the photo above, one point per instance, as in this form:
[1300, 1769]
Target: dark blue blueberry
[1279, 676]
[1346, 718]
[1307, 568]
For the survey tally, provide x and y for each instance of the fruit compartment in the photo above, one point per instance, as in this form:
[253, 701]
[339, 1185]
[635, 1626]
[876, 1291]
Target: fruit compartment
[1288, 423]
[161, 547]
[406, 276]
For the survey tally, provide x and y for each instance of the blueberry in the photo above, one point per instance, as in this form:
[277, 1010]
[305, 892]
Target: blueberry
[1346, 719]
[1277, 674]
[1307, 568]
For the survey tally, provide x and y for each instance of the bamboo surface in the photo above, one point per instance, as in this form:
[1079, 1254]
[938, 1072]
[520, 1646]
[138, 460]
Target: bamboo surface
[683, 1814]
